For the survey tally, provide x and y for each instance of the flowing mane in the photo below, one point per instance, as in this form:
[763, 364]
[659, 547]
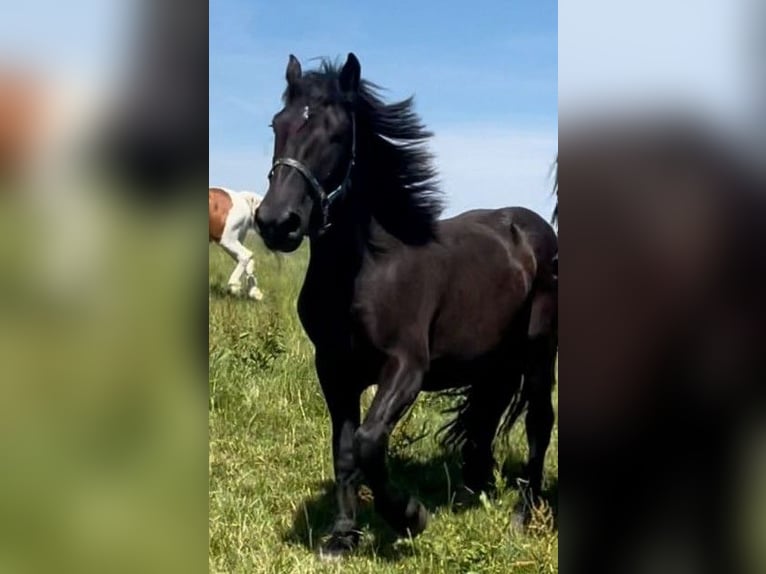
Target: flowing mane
[394, 167]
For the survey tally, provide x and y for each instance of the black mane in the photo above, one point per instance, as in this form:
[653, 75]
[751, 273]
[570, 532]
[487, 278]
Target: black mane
[393, 166]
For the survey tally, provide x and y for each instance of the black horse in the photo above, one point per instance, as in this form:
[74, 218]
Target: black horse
[394, 297]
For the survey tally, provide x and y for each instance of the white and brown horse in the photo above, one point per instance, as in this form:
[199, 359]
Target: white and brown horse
[230, 215]
[50, 122]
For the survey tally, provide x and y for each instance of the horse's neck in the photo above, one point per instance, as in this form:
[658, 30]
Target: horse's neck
[351, 245]
[354, 229]
[336, 256]
[354, 233]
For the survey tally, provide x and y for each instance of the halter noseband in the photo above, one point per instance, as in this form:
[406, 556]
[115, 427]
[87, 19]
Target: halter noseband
[318, 193]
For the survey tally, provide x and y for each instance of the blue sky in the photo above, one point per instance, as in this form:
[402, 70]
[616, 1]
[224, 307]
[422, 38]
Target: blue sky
[484, 77]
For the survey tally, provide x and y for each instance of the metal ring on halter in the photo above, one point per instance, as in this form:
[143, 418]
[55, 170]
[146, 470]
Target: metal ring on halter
[324, 199]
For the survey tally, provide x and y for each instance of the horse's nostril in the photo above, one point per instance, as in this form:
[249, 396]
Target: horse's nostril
[276, 230]
[292, 223]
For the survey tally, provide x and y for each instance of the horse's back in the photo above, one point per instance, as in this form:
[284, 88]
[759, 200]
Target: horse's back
[486, 263]
[516, 227]
[500, 220]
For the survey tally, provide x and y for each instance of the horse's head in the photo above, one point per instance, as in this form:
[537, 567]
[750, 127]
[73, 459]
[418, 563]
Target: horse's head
[314, 146]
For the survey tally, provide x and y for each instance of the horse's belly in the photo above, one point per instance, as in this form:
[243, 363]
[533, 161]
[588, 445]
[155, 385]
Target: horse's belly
[474, 320]
[450, 372]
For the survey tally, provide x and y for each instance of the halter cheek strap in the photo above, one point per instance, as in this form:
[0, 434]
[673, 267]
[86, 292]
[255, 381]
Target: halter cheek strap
[318, 193]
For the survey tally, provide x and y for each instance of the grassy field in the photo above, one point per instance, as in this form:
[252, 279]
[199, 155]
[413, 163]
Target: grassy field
[270, 466]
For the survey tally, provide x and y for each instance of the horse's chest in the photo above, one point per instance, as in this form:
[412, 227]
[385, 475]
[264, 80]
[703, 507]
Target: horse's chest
[325, 320]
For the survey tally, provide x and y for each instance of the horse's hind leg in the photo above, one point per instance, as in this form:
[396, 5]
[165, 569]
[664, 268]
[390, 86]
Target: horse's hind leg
[233, 283]
[477, 424]
[242, 255]
[250, 282]
[539, 419]
[539, 374]
[252, 285]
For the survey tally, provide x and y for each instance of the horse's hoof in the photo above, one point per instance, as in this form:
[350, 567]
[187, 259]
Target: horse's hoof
[477, 470]
[235, 289]
[338, 546]
[255, 293]
[416, 518]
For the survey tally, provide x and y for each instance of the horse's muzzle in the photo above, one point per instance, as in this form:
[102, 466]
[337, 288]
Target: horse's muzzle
[281, 233]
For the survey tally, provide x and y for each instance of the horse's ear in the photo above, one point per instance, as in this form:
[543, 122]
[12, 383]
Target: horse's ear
[350, 74]
[293, 72]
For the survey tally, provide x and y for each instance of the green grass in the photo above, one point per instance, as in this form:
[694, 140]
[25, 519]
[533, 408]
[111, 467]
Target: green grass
[270, 466]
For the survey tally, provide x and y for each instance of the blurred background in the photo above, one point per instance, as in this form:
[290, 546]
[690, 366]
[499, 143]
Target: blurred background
[103, 124]
[663, 324]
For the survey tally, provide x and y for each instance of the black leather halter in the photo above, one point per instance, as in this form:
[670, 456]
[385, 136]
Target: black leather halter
[322, 198]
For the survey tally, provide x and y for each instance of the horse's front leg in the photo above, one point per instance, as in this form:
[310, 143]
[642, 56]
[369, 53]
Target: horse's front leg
[399, 385]
[252, 285]
[241, 254]
[343, 403]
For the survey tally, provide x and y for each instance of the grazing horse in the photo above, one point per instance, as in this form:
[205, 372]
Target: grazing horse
[47, 123]
[230, 216]
[394, 297]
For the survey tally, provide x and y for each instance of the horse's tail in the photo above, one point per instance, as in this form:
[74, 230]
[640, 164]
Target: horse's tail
[507, 401]
[504, 401]
[512, 397]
